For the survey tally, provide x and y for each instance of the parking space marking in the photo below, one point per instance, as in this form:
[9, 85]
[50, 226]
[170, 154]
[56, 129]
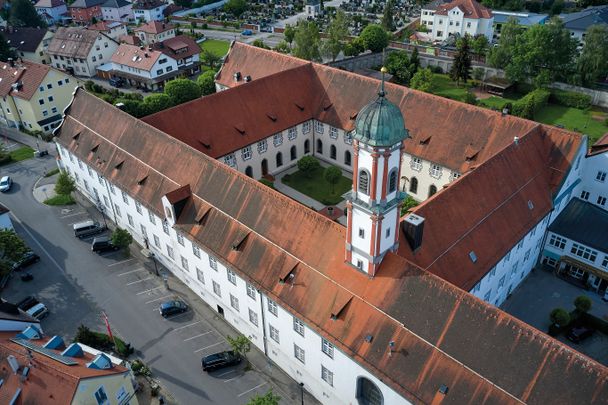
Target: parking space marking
[254, 388]
[208, 347]
[233, 378]
[73, 215]
[132, 271]
[121, 262]
[147, 291]
[176, 316]
[158, 299]
[226, 373]
[185, 326]
[140, 281]
[197, 336]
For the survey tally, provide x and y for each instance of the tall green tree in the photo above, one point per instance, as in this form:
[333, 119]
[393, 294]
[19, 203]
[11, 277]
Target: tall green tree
[422, 80]
[23, 14]
[398, 64]
[157, 102]
[387, 18]
[206, 81]
[121, 238]
[235, 7]
[307, 41]
[240, 344]
[210, 58]
[374, 37]
[182, 90]
[480, 45]
[592, 64]
[337, 33]
[65, 184]
[332, 175]
[461, 65]
[5, 50]
[290, 34]
[500, 55]
[12, 248]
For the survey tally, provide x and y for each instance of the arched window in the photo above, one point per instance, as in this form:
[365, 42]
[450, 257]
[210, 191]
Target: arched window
[368, 393]
[307, 146]
[293, 153]
[279, 159]
[347, 158]
[392, 181]
[249, 171]
[432, 190]
[332, 152]
[414, 185]
[364, 182]
[319, 147]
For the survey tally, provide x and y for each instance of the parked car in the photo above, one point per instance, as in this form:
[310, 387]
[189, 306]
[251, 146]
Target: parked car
[28, 258]
[117, 82]
[173, 307]
[580, 333]
[247, 32]
[5, 184]
[27, 303]
[87, 228]
[103, 244]
[220, 360]
[38, 311]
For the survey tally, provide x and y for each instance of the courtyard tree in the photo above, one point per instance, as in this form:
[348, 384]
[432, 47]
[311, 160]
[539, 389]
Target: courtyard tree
[560, 317]
[65, 184]
[399, 65]
[122, 238]
[307, 41]
[206, 82]
[157, 102]
[241, 344]
[260, 44]
[387, 18]
[210, 58]
[182, 90]
[282, 47]
[408, 204]
[354, 47]
[23, 14]
[500, 55]
[290, 34]
[332, 176]
[308, 165]
[12, 248]
[461, 66]
[422, 80]
[267, 399]
[235, 7]
[583, 303]
[374, 37]
[480, 45]
[592, 64]
[337, 32]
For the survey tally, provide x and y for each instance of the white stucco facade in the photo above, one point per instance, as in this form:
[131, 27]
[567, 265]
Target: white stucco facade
[150, 14]
[455, 22]
[100, 53]
[594, 180]
[124, 13]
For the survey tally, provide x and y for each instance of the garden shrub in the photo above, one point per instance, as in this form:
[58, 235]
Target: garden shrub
[529, 104]
[570, 99]
[436, 69]
[560, 316]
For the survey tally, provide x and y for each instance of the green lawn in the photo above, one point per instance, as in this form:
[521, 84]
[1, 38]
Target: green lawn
[443, 86]
[220, 48]
[316, 187]
[60, 199]
[574, 119]
[52, 172]
[17, 155]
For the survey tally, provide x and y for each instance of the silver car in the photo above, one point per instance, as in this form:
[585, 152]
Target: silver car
[5, 184]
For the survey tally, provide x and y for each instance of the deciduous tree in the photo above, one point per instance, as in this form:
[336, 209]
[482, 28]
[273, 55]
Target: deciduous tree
[240, 345]
[210, 58]
[422, 80]
[500, 56]
[206, 81]
[182, 90]
[307, 41]
[65, 184]
[374, 37]
[308, 165]
[23, 14]
[12, 248]
[5, 50]
[235, 7]
[387, 18]
[157, 102]
[592, 64]
[121, 238]
[583, 303]
[332, 176]
[337, 32]
[267, 399]
[480, 45]
[290, 34]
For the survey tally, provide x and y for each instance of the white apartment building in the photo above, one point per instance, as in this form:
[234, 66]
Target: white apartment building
[154, 31]
[113, 29]
[117, 10]
[145, 68]
[149, 10]
[459, 17]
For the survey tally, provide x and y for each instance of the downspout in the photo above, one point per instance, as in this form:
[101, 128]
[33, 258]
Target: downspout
[263, 324]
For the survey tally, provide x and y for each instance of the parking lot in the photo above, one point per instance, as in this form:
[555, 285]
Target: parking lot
[77, 285]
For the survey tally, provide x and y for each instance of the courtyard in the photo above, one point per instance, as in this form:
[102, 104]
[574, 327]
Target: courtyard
[542, 292]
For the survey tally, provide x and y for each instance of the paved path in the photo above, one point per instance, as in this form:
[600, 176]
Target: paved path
[25, 139]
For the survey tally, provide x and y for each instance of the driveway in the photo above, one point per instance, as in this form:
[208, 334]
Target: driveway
[540, 293]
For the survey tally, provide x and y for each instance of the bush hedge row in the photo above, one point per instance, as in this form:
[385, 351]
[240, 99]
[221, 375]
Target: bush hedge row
[529, 104]
[570, 99]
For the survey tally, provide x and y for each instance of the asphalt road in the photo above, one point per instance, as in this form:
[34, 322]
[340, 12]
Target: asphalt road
[76, 285]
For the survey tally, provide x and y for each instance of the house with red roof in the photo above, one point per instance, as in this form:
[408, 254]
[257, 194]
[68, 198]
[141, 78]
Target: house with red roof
[154, 31]
[458, 17]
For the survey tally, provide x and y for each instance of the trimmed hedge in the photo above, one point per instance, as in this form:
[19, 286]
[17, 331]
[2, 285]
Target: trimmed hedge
[594, 322]
[570, 99]
[529, 104]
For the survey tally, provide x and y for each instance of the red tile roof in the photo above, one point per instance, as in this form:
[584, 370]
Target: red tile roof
[179, 47]
[154, 27]
[470, 8]
[133, 56]
[600, 146]
[28, 74]
[434, 324]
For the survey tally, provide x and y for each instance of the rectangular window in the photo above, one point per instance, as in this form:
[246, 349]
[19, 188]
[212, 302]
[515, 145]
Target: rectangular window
[600, 176]
[585, 195]
[213, 263]
[200, 275]
[333, 133]
[416, 164]
[601, 200]
[151, 217]
[361, 233]
[306, 127]
[558, 242]
[274, 333]
[51, 99]
[216, 289]
[54, 110]
[435, 171]
[231, 276]
[319, 127]
[196, 251]
[157, 241]
[138, 207]
[251, 290]
[527, 255]
[117, 209]
[272, 307]
[298, 326]
[89, 171]
[583, 252]
[234, 302]
[327, 348]
[298, 353]
[165, 226]
[129, 219]
[487, 296]
[60, 83]
[246, 153]
[292, 133]
[514, 268]
[45, 113]
[253, 317]
[99, 176]
[125, 197]
[143, 231]
[277, 139]
[605, 262]
[230, 160]
[262, 146]
[106, 201]
[185, 263]
[348, 138]
[41, 101]
[170, 252]
[327, 376]
[180, 238]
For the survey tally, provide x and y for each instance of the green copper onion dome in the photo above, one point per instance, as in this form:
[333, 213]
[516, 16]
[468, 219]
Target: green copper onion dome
[380, 123]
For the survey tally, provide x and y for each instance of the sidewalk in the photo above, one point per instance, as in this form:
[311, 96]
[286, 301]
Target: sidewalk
[25, 139]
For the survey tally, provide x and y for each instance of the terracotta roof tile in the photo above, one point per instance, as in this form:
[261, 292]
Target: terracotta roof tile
[470, 8]
[28, 74]
[74, 42]
[179, 47]
[434, 324]
[154, 27]
[600, 146]
[133, 56]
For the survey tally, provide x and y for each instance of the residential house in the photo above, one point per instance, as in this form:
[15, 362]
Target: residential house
[80, 51]
[578, 23]
[33, 95]
[458, 17]
[29, 43]
[117, 10]
[523, 18]
[51, 11]
[84, 11]
[143, 67]
[149, 10]
[42, 370]
[313, 8]
[5, 218]
[113, 29]
[154, 31]
[184, 50]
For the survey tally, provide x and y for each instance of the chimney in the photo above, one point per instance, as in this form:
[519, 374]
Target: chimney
[11, 62]
[237, 76]
[516, 140]
[412, 227]
[247, 78]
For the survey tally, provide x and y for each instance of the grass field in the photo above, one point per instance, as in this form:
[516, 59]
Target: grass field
[60, 199]
[220, 48]
[316, 187]
[443, 86]
[22, 153]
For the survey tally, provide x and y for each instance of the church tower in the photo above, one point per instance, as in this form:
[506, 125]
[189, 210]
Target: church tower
[374, 202]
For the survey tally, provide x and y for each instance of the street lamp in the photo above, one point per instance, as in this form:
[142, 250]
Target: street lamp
[302, 391]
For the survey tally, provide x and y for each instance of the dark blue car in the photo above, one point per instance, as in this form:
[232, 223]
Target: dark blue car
[220, 360]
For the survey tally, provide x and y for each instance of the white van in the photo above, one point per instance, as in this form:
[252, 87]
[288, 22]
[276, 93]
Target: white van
[38, 311]
[87, 228]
